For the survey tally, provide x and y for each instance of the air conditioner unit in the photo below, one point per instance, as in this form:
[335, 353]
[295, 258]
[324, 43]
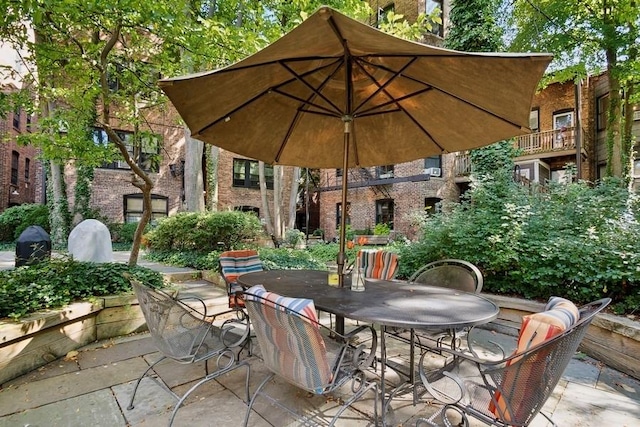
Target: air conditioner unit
[433, 171]
[386, 175]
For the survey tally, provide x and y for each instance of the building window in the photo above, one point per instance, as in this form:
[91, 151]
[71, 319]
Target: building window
[534, 120]
[384, 212]
[246, 175]
[27, 167]
[133, 207]
[145, 155]
[562, 124]
[432, 205]
[382, 13]
[602, 107]
[339, 214]
[430, 7]
[15, 161]
[16, 118]
[29, 122]
[338, 172]
[384, 171]
[433, 166]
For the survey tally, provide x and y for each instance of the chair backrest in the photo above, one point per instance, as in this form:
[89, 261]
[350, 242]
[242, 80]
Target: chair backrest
[450, 273]
[235, 263]
[378, 264]
[528, 378]
[290, 342]
[174, 329]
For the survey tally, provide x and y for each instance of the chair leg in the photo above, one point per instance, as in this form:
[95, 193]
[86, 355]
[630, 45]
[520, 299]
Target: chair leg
[211, 377]
[255, 395]
[144, 374]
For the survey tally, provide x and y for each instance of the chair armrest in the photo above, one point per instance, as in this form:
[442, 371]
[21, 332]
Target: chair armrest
[184, 300]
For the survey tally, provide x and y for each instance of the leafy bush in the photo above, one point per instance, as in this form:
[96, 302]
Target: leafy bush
[571, 240]
[204, 231]
[382, 229]
[293, 237]
[58, 282]
[123, 233]
[281, 258]
[14, 220]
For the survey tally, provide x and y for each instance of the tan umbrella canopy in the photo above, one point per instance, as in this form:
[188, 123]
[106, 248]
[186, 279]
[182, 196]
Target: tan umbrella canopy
[336, 93]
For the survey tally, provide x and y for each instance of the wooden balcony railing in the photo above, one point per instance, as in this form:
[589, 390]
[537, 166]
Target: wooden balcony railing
[551, 140]
[557, 140]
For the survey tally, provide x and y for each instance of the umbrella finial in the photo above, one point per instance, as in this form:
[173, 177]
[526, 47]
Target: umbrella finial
[324, 12]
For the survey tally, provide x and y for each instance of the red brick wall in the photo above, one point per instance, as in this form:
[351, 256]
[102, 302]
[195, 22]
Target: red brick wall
[408, 197]
[26, 188]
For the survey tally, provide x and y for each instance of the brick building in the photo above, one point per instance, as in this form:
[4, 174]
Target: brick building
[20, 167]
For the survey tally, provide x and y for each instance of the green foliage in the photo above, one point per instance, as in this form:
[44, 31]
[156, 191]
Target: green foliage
[14, 220]
[571, 240]
[473, 26]
[204, 232]
[381, 229]
[349, 232]
[123, 233]
[58, 282]
[289, 259]
[293, 237]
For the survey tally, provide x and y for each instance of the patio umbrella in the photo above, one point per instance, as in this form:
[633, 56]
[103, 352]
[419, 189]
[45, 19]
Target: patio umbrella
[336, 93]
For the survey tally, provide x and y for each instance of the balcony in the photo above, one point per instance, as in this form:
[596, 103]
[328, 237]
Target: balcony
[539, 145]
[551, 143]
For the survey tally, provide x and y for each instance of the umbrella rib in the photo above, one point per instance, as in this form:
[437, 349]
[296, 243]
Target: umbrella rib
[464, 101]
[308, 103]
[249, 101]
[310, 87]
[381, 88]
[369, 111]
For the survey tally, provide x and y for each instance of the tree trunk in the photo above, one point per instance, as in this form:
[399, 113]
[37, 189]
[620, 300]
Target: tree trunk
[266, 212]
[293, 198]
[193, 181]
[213, 154]
[59, 229]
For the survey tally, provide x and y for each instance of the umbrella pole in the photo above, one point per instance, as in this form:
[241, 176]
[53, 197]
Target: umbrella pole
[343, 218]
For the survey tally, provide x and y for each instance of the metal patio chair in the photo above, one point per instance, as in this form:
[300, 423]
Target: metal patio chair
[298, 349]
[186, 335]
[508, 391]
[453, 274]
[233, 264]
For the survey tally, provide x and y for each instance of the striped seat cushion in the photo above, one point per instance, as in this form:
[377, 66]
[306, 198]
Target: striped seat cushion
[303, 306]
[235, 263]
[378, 264]
[559, 315]
[293, 350]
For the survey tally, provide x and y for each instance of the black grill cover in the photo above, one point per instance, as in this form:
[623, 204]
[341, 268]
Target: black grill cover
[33, 246]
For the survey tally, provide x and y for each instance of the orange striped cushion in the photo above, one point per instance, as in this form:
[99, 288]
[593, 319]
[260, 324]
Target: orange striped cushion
[536, 329]
[378, 264]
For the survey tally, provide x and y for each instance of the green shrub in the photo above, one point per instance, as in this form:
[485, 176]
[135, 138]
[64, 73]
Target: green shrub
[281, 258]
[571, 240]
[123, 233]
[14, 220]
[58, 282]
[204, 232]
[382, 229]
